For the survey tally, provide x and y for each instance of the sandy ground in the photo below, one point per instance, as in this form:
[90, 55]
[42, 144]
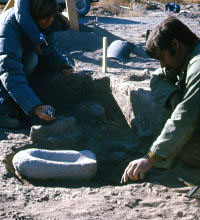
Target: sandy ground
[159, 196]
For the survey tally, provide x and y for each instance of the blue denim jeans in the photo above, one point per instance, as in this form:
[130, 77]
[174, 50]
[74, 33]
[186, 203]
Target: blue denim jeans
[7, 104]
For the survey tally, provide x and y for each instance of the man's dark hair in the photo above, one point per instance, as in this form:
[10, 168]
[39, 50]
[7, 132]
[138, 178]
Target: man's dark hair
[41, 9]
[161, 37]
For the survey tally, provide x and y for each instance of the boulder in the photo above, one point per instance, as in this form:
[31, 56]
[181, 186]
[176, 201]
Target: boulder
[89, 110]
[58, 164]
[62, 133]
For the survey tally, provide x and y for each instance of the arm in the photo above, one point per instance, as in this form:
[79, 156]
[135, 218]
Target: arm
[24, 18]
[12, 76]
[184, 120]
[163, 86]
[176, 132]
[52, 57]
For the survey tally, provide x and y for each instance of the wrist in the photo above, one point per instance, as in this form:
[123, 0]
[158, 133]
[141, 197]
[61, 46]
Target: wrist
[154, 157]
[150, 159]
[33, 109]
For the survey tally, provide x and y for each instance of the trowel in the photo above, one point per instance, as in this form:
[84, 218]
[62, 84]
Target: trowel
[194, 192]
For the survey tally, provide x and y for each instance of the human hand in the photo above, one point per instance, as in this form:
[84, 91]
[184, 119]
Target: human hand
[37, 49]
[171, 75]
[42, 112]
[137, 169]
[67, 70]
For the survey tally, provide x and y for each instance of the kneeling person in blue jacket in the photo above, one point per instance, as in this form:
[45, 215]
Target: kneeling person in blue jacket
[19, 58]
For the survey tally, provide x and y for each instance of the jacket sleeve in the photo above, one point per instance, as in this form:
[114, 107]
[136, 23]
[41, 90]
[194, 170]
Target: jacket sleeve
[12, 75]
[51, 56]
[162, 86]
[183, 121]
[25, 20]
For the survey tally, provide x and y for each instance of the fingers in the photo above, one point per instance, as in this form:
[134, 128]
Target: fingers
[46, 117]
[42, 112]
[142, 174]
[136, 172]
[131, 172]
[37, 49]
[137, 169]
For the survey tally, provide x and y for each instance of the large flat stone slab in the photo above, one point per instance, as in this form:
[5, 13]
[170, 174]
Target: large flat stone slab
[48, 164]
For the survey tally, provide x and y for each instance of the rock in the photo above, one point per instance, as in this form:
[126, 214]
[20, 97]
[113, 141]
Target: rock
[61, 133]
[44, 164]
[88, 110]
[143, 114]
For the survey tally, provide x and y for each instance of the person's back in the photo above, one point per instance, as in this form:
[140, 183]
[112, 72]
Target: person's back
[11, 29]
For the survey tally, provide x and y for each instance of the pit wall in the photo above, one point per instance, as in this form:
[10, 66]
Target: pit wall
[130, 101]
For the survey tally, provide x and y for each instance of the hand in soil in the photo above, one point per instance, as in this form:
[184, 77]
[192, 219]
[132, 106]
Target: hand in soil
[137, 169]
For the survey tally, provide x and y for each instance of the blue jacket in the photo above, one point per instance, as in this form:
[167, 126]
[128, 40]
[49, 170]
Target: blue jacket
[23, 17]
[13, 42]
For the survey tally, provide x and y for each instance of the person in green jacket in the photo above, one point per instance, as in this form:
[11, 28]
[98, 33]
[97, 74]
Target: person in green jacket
[176, 85]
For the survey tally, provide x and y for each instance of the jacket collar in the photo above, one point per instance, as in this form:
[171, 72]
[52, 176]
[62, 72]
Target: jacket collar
[194, 52]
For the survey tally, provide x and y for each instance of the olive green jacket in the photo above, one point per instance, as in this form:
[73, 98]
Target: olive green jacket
[185, 118]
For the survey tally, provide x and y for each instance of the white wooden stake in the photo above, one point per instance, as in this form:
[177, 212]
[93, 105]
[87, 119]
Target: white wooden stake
[104, 62]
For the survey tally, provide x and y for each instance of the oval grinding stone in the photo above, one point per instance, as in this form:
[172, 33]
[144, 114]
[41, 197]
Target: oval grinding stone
[54, 164]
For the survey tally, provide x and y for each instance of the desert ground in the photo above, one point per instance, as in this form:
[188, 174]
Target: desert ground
[160, 195]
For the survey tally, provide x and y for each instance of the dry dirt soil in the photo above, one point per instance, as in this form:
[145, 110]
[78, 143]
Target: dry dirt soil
[159, 196]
